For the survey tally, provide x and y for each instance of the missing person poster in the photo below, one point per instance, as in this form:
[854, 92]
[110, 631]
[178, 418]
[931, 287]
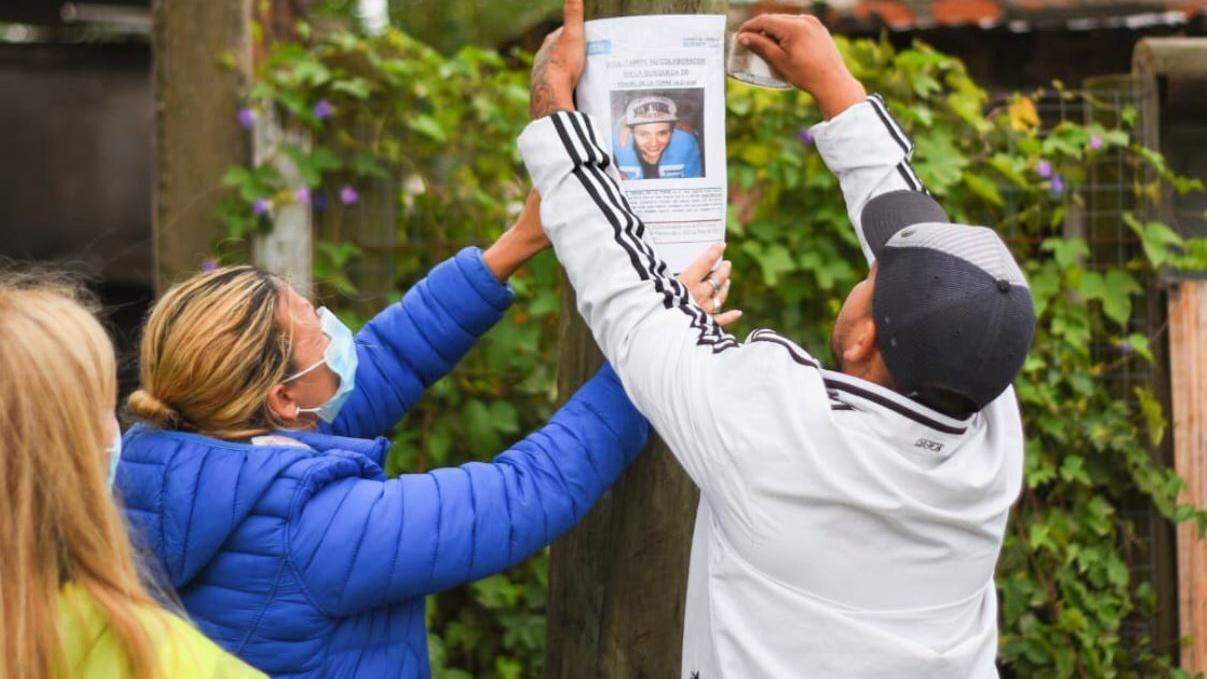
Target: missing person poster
[658, 84]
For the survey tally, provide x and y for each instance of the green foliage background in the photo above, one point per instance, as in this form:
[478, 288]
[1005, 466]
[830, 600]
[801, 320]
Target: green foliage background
[454, 23]
[445, 127]
[449, 25]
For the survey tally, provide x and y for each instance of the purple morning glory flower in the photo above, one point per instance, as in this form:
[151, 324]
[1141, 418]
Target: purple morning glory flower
[1057, 185]
[1044, 169]
[348, 195]
[302, 195]
[1126, 348]
[261, 207]
[208, 266]
[247, 118]
[1096, 142]
[806, 137]
[323, 109]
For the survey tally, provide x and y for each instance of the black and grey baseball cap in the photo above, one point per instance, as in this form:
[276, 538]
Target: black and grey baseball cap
[952, 309]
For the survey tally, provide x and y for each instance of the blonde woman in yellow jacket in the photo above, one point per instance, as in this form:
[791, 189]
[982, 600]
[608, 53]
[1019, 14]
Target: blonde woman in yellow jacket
[72, 603]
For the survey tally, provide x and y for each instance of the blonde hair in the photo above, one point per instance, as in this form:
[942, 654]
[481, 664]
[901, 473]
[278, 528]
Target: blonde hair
[61, 525]
[211, 351]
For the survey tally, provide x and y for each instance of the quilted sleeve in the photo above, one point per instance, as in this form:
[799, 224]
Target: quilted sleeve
[410, 345]
[360, 543]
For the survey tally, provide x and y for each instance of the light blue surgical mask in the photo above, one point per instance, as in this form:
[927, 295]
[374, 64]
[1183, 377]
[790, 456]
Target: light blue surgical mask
[340, 357]
[115, 453]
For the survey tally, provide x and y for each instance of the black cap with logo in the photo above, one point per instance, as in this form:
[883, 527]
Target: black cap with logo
[952, 309]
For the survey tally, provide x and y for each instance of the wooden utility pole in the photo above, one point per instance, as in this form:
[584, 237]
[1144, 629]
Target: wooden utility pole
[204, 60]
[617, 581]
[202, 55]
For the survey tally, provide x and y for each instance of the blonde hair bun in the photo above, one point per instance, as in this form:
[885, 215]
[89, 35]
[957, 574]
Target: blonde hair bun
[211, 353]
[144, 406]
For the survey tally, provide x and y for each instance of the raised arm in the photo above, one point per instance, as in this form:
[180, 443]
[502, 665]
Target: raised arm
[361, 543]
[671, 354]
[676, 364]
[410, 345]
[870, 154]
[860, 141]
[661, 342]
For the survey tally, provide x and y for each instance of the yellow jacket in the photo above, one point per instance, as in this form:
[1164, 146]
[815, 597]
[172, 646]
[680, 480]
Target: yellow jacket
[92, 652]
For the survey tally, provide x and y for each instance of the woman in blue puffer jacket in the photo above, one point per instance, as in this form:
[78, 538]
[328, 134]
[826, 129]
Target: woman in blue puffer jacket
[255, 473]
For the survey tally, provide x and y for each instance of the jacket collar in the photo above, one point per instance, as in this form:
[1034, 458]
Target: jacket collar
[903, 419]
[375, 449]
[186, 493]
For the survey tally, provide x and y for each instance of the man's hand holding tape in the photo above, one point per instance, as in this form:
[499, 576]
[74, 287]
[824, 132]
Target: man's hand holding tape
[850, 519]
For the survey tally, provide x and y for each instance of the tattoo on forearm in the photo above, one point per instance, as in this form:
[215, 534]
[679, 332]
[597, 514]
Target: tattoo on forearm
[543, 98]
[543, 101]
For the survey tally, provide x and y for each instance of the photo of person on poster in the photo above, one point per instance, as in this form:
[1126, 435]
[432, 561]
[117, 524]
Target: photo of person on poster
[655, 136]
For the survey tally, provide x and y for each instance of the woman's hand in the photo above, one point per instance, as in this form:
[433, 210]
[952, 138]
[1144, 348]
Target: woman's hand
[710, 287]
[518, 244]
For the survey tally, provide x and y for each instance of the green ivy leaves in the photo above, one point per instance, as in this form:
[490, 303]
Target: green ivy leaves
[442, 129]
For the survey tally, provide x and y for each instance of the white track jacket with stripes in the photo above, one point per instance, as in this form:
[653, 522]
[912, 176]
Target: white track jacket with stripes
[844, 530]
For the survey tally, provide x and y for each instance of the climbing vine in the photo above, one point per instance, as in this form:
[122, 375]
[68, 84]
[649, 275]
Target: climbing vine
[439, 132]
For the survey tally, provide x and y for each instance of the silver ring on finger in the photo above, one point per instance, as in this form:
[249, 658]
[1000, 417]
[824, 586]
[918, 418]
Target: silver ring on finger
[716, 287]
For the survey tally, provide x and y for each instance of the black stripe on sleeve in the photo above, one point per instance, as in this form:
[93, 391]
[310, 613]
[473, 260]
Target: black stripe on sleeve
[607, 160]
[907, 145]
[633, 225]
[710, 333]
[569, 146]
[909, 181]
[598, 189]
[614, 209]
[635, 230]
[635, 244]
[898, 136]
[590, 149]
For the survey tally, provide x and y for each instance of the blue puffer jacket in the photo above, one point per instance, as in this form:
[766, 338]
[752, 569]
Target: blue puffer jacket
[307, 561]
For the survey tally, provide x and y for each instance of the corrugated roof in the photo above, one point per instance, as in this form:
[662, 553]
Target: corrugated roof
[1019, 15]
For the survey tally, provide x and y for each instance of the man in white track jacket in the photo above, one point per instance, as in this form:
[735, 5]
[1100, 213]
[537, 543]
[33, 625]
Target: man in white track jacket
[849, 520]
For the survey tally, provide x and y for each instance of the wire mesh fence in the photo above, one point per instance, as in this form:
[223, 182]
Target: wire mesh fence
[1095, 212]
